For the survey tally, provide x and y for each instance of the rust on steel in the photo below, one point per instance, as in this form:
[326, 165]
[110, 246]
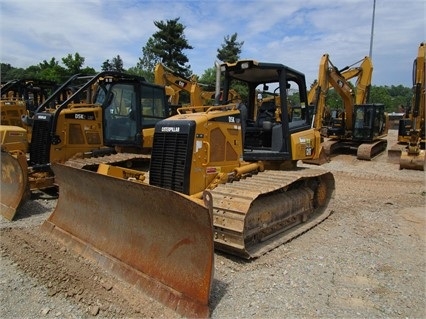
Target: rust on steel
[13, 183]
[156, 239]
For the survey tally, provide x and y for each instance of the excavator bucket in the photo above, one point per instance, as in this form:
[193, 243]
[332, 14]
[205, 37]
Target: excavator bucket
[394, 153]
[13, 182]
[156, 239]
[413, 161]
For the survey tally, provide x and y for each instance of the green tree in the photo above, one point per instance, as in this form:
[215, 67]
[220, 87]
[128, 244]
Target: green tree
[52, 70]
[136, 70]
[166, 46]
[9, 72]
[73, 64]
[230, 50]
[148, 60]
[116, 64]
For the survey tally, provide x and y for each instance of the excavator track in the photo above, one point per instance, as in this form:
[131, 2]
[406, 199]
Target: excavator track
[256, 214]
[367, 151]
[331, 146]
[364, 151]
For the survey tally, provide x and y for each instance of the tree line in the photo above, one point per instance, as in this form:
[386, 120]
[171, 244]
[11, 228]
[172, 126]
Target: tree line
[167, 45]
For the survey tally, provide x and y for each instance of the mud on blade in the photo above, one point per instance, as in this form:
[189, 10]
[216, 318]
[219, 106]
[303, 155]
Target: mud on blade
[156, 239]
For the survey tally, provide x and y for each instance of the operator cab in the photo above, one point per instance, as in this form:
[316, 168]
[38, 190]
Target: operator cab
[274, 107]
[130, 105]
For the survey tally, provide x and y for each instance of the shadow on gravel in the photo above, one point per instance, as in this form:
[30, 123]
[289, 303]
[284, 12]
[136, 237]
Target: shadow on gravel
[33, 206]
[220, 288]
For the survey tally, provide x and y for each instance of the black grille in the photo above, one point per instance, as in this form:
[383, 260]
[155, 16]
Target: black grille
[171, 158]
[41, 139]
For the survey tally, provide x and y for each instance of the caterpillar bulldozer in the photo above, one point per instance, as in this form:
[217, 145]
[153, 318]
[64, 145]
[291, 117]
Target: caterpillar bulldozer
[221, 176]
[21, 98]
[361, 126]
[410, 148]
[87, 124]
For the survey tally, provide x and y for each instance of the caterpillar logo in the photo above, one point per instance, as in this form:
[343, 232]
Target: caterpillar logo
[170, 129]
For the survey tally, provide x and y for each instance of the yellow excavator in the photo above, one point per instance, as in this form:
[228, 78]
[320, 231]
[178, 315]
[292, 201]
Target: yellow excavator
[223, 175]
[318, 92]
[109, 111]
[410, 149]
[197, 92]
[360, 126]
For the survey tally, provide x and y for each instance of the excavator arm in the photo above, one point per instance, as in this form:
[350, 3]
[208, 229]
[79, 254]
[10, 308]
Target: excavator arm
[175, 83]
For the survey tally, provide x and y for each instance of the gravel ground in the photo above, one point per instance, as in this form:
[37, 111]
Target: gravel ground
[366, 260]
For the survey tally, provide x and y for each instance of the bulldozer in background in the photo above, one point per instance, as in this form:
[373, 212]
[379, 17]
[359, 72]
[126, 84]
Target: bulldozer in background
[409, 151]
[223, 175]
[18, 177]
[21, 98]
[85, 125]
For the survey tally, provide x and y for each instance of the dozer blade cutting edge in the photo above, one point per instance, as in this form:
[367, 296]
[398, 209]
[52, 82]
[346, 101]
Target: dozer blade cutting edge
[157, 239]
[13, 183]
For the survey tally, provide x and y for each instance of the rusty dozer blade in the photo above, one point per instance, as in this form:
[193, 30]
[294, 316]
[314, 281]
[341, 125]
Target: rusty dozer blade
[14, 189]
[258, 213]
[156, 239]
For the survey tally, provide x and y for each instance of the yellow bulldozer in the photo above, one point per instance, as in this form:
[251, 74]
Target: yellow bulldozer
[222, 176]
[20, 98]
[410, 148]
[110, 110]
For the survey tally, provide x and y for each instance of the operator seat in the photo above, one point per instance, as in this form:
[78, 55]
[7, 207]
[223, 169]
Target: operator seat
[266, 113]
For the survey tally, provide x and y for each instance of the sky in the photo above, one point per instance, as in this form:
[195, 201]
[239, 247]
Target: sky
[292, 32]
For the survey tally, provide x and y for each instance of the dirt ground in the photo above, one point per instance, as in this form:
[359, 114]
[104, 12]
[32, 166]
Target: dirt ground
[367, 260]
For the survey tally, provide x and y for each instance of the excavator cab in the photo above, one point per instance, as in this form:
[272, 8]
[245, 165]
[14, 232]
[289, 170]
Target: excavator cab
[370, 122]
